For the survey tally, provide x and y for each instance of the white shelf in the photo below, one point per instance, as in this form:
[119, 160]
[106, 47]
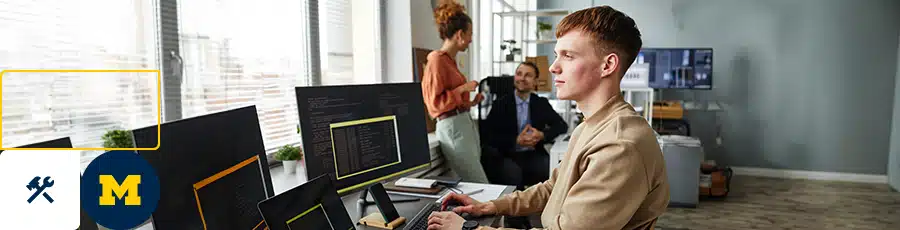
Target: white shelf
[545, 12]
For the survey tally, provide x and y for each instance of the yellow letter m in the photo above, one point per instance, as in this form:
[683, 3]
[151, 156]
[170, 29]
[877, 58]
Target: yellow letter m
[109, 185]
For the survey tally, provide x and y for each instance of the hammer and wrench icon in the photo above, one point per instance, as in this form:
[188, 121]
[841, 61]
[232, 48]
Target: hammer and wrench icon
[39, 188]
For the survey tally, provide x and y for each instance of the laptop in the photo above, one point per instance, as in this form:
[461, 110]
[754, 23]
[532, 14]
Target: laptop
[312, 205]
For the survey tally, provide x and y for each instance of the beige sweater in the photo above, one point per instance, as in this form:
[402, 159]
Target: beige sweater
[612, 177]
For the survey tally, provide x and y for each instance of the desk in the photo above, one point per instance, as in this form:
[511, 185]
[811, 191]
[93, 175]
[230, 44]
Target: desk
[409, 209]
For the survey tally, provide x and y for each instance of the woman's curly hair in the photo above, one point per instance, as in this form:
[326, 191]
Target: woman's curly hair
[450, 18]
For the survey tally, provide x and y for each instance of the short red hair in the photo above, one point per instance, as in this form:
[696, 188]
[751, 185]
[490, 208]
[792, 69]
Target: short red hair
[611, 30]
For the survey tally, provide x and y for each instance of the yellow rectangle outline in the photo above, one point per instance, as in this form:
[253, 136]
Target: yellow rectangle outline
[362, 121]
[158, 103]
[202, 183]
[359, 122]
[304, 213]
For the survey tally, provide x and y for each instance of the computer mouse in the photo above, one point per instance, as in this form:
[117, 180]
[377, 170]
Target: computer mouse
[449, 205]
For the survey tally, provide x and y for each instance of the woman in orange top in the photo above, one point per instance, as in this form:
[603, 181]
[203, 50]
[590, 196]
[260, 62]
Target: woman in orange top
[446, 92]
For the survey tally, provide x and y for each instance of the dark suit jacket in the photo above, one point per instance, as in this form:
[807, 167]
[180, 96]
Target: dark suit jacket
[503, 127]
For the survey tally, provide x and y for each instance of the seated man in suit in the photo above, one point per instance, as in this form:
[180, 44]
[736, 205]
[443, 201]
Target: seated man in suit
[520, 125]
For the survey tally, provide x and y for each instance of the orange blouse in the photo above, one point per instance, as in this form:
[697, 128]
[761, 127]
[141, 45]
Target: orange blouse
[439, 81]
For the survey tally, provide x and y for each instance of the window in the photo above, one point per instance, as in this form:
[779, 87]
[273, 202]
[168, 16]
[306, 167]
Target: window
[350, 35]
[233, 53]
[238, 53]
[59, 34]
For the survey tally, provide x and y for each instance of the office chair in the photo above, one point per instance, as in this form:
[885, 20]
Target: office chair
[494, 87]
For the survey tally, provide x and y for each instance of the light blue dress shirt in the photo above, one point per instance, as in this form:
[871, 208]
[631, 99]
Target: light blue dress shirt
[522, 117]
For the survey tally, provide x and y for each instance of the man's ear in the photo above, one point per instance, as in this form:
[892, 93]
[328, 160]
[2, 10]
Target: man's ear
[610, 63]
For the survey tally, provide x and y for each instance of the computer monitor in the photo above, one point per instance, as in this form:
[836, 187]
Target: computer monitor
[314, 204]
[362, 134]
[212, 171]
[678, 68]
[64, 142]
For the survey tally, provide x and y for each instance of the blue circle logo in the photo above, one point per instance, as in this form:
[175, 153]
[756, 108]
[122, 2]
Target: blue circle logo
[119, 190]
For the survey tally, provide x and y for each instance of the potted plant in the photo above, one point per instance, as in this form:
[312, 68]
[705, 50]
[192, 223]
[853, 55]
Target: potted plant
[289, 156]
[544, 31]
[512, 50]
[118, 139]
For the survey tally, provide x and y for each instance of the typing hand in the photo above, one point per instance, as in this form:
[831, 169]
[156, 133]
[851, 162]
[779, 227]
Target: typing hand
[445, 220]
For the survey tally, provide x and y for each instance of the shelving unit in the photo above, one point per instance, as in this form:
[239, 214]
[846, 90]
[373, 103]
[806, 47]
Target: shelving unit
[524, 33]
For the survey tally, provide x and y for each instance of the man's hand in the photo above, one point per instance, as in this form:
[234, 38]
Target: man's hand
[524, 139]
[472, 206]
[445, 220]
[536, 135]
[529, 136]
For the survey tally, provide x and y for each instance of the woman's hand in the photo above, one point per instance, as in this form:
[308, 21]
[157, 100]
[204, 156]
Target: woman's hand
[468, 87]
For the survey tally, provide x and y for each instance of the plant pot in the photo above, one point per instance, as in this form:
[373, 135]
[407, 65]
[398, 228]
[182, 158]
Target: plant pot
[545, 35]
[289, 166]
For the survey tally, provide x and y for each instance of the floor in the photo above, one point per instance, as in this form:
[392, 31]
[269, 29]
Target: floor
[770, 203]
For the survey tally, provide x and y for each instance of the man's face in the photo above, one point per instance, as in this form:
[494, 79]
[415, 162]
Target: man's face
[578, 67]
[525, 79]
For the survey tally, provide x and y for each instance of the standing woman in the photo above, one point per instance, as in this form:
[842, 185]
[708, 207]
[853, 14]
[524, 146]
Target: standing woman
[446, 92]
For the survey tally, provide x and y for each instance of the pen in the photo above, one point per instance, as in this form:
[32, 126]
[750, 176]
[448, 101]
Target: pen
[474, 192]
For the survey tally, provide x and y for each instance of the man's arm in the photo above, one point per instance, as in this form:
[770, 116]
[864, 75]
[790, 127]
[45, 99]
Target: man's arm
[557, 125]
[612, 186]
[532, 200]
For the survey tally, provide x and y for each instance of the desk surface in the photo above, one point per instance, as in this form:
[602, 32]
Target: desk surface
[283, 182]
[408, 209]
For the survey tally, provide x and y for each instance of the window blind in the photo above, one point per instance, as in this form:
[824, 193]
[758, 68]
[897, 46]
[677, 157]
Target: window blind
[238, 53]
[92, 34]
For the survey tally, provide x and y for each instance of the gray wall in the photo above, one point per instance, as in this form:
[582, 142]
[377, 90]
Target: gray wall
[806, 84]
[894, 158]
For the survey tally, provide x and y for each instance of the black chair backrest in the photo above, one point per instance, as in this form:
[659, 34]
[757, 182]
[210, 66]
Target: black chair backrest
[494, 88]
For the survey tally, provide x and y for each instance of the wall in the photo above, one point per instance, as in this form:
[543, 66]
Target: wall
[805, 84]
[397, 41]
[894, 158]
[425, 34]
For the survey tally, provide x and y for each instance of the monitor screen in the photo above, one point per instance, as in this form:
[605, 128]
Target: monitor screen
[362, 134]
[212, 171]
[678, 68]
[314, 203]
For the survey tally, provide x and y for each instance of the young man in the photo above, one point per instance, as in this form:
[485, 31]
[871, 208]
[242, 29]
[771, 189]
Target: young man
[613, 175]
[520, 124]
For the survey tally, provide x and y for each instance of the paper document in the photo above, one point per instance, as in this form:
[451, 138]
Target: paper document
[489, 191]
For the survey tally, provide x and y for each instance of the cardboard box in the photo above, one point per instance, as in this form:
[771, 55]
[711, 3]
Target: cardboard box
[544, 82]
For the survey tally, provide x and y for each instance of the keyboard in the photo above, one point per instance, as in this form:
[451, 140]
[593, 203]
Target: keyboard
[420, 221]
